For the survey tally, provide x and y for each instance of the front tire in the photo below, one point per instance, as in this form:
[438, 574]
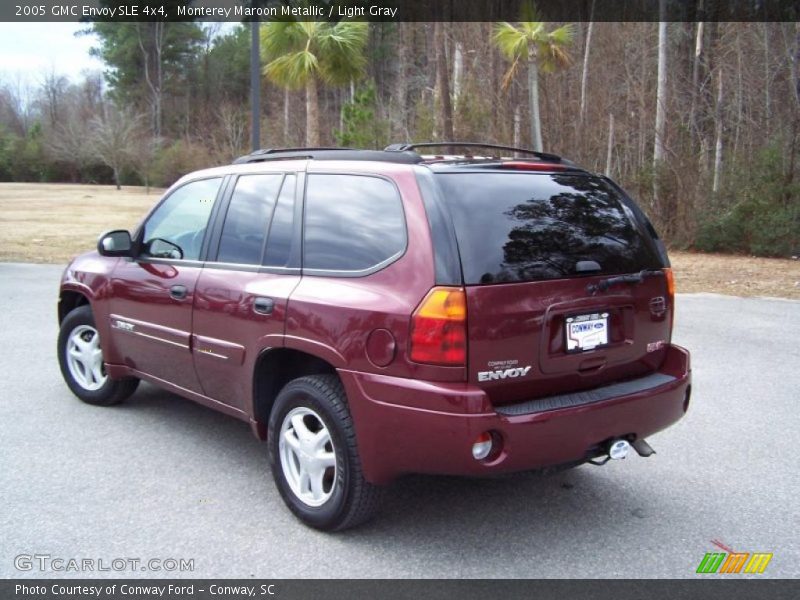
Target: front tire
[314, 457]
[80, 357]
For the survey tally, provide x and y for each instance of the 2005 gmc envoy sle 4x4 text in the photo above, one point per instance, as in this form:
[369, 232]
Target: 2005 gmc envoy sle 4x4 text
[376, 313]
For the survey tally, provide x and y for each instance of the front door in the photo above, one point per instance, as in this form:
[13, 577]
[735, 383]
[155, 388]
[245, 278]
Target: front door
[152, 295]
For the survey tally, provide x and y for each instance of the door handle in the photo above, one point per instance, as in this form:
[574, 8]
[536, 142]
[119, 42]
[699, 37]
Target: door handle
[263, 306]
[178, 292]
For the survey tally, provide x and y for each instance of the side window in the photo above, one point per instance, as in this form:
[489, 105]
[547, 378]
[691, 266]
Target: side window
[281, 232]
[352, 223]
[247, 219]
[177, 227]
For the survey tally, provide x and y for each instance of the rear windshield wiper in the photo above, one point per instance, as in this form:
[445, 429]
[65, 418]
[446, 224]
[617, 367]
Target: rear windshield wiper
[604, 284]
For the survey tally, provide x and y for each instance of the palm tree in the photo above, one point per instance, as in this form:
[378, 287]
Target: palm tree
[301, 53]
[530, 42]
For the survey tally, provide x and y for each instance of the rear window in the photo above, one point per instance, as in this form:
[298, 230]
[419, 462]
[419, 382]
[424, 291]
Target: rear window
[531, 227]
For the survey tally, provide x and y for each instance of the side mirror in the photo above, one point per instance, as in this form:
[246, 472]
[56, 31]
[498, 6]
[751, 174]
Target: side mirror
[158, 248]
[115, 243]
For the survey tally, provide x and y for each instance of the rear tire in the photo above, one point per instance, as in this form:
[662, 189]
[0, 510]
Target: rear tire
[314, 457]
[80, 357]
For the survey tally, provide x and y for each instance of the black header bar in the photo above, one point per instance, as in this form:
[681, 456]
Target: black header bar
[710, 587]
[396, 10]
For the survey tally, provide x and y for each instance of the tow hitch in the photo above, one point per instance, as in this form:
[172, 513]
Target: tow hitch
[617, 449]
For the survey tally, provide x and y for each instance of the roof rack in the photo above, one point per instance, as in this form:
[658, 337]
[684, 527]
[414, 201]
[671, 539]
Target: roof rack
[410, 147]
[269, 154]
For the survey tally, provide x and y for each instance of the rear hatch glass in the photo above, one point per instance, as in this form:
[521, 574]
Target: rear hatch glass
[531, 244]
[534, 226]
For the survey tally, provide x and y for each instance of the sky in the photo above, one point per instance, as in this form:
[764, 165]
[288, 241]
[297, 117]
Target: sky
[29, 50]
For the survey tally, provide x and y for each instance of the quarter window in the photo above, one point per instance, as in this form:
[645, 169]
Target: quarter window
[177, 227]
[353, 223]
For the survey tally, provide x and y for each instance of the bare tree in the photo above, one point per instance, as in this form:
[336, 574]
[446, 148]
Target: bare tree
[143, 154]
[54, 87]
[661, 109]
[114, 139]
[445, 124]
[610, 147]
[585, 72]
[231, 138]
[153, 67]
[68, 143]
[718, 144]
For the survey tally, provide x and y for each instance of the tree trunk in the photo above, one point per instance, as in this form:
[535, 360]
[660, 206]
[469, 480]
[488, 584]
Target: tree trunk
[767, 78]
[155, 86]
[698, 52]
[159, 35]
[458, 70]
[610, 150]
[661, 118]
[533, 99]
[286, 105]
[718, 145]
[585, 73]
[443, 83]
[116, 178]
[312, 113]
[517, 125]
[401, 84]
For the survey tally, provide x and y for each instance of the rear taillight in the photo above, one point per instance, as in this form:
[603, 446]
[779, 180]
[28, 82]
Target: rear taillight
[670, 279]
[439, 328]
[670, 285]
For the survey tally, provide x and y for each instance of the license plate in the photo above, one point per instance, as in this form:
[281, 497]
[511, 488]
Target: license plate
[586, 332]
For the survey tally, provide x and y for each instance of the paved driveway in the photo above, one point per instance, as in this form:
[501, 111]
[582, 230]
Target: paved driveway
[160, 477]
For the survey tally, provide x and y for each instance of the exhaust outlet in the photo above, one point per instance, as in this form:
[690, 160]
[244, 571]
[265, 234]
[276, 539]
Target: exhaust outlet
[642, 448]
[618, 449]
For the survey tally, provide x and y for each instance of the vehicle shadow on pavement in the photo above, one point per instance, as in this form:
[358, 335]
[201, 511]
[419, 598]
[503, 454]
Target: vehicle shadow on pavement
[528, 508]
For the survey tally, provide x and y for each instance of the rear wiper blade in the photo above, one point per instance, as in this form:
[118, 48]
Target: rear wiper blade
[604, 284]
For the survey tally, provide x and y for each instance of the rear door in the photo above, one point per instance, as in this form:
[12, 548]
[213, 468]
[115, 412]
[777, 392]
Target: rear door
[531, 245]
[243, 291]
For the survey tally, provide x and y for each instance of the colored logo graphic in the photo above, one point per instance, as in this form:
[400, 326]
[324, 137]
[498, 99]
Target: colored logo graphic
[731, 561]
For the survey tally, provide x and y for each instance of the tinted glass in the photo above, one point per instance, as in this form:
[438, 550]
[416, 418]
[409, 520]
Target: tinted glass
[279, 244]
[181, 220]
[527, 227]
[247, 219]
[352, 223]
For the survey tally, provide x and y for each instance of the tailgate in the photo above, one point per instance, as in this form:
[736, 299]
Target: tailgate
[533, 246]
[518, 336]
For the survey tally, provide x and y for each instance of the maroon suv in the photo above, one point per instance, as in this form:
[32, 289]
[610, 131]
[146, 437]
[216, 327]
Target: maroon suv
[375, 313]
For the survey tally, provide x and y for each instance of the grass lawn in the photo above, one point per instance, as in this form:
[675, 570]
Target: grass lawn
[51, 223]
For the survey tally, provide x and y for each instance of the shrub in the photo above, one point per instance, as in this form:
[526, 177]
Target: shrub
[758, 212]
[362, 128]
[178, 159]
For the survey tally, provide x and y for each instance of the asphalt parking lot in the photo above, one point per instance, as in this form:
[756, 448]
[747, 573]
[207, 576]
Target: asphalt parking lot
[160, 477]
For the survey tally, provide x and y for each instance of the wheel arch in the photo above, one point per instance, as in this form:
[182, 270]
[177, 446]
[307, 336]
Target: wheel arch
[274, 368]
[69, 300]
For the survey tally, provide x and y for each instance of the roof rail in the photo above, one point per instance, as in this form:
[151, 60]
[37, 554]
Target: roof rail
[407, 147]
[299, 149]
[269, 154]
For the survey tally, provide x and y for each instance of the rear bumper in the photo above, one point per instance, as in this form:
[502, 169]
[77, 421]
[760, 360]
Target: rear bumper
[408, 426]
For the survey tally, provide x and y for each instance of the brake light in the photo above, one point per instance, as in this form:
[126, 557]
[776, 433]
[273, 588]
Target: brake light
[520, 165]
[439, 328]
[670, 277]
